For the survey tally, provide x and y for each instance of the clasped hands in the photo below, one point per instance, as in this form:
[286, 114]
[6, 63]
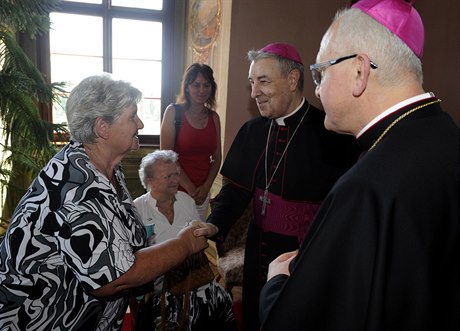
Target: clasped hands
[196, 234]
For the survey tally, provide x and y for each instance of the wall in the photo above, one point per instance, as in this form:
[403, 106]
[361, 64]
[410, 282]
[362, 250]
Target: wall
[256, 23]
[208, 39]
[441, 60]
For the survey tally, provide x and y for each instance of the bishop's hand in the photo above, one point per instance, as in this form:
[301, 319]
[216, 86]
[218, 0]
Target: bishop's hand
[280, 265]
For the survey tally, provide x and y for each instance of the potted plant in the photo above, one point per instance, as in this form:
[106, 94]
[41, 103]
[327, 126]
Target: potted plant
[26, 140]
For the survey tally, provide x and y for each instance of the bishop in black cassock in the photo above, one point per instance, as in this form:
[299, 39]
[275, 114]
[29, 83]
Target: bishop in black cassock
[363, 264]
[313, 161]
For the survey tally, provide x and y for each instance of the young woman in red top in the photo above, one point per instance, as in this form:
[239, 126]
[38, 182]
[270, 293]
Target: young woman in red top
[191, 127]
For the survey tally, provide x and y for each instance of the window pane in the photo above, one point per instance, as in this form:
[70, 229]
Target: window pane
[84, 40]
[149, 111]
[75, 53]
[146, 4]
[145, 75]
[137, 39]
[137, 59]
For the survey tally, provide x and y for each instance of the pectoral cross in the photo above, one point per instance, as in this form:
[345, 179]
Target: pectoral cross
[265, 201]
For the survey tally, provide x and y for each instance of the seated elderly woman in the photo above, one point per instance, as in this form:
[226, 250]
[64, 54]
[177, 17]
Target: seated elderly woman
[210, 306]
[74, 247]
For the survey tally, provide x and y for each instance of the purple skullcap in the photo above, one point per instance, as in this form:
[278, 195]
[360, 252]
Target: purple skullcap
[399, 17]
[284, 50]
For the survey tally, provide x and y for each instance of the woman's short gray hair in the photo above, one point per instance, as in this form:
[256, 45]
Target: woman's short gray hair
[148, 162]
[98, 96]
[286, 65]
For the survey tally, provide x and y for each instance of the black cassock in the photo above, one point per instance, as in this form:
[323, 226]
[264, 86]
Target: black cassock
[313, 161]
[383, 252]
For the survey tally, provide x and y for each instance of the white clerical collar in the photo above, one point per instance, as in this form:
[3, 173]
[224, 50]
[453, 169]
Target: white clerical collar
[280, 121]
[394, 108]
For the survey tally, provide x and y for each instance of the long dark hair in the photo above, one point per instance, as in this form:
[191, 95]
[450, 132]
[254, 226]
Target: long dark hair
[189, 76]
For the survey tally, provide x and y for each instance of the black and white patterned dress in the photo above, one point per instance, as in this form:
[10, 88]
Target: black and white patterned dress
[68, 236]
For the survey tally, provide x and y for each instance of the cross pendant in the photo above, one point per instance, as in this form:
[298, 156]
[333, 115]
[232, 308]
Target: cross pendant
[265, 201]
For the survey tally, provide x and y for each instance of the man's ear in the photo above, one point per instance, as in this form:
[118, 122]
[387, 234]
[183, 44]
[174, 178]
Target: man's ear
[293, 78]
[101, 128]
[363, 70]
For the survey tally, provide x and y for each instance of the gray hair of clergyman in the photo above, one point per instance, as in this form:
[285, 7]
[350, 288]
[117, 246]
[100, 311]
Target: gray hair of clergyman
[98, 96]
[148, 163]
[354, 32]
[286, 65]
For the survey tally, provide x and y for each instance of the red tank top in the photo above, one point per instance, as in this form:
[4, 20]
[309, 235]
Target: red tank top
[195, 147]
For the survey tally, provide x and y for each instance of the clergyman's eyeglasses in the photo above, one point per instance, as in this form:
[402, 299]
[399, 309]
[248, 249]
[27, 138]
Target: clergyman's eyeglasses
[318, 68]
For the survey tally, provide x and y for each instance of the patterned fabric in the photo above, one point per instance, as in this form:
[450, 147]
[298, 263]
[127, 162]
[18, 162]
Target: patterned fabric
[230, 260]
[289, 218]
[69, 236]
[210, 306]
[231, 266]
[210, 309]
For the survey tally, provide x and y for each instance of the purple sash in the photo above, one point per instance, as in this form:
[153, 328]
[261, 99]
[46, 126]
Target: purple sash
[284, 217]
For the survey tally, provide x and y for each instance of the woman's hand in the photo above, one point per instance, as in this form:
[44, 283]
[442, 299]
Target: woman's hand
[203, 229]
[195, 242]
[200, 194]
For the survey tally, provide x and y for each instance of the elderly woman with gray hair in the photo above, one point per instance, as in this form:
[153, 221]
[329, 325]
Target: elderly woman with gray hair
[206, 307]
[74, 247]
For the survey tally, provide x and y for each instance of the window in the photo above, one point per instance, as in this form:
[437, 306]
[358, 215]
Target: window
[132, 39]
